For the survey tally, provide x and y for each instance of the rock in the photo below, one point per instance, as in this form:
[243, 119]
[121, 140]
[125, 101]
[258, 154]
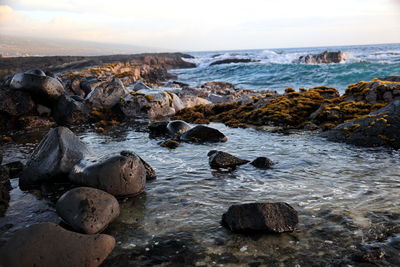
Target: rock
[43, 111]
[158, 128]
[262, 163]
[48, 244]
[53, 158]
[223, 160]
[170, 143]
[5, 187]
[220, 99]
[150, 172]
[139, 85]
[323, 58]
[191, 101]
[379, 128]
[233, 60]
[119, 175]
[87, 210]
[178, 127]
[89, 85]
[13, 169]
[42, 86]
[15, 103]
[36, 72]
[69, 111]
[277, 217]
[34, 123]
[107, 94]
[391, 78]
[202, 133]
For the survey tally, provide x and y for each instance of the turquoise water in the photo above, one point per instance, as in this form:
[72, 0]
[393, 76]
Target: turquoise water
[278, 69]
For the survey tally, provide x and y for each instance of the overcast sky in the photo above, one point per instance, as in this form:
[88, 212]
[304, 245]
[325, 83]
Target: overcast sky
[186, 25]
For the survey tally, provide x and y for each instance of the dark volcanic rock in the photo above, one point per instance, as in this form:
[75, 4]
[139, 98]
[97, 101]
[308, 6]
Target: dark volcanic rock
[202, 133]
[262, 163]
[53, 158]
[5, 187]
[223, 160]
[269, 217]
[119, 175]
[178, 127]
[87, 210]
[158, 128]
[15, 103]
[150, 172]
[233, 60]
[69, 111]
[323, 58]
[107, 94]
[170, 143]
[379, 128]
[48, 244]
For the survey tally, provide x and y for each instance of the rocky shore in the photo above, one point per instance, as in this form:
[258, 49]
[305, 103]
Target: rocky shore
[68, 93]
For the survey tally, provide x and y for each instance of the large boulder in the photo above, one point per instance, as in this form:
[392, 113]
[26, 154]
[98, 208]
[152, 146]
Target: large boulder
[267, 217]
[223, 160]
[42, 86]
[53, 158]
[87, 210]
[107, 94]
[379, 128]
[201, 134]
[69, 111]
[48, 244]
[15, 103]
[178, 127]
[120, 175]
[323, 58]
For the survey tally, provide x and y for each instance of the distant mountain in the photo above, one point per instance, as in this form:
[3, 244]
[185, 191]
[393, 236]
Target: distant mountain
[17, 46]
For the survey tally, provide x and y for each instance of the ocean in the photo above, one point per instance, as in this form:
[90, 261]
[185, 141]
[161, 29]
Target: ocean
[278, 69]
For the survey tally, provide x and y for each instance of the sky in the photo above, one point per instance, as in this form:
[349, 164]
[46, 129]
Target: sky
[184, 25]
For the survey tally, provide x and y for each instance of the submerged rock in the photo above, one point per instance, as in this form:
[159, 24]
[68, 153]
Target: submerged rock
[277, 217]
[323, 58]
[379, 128]
[119, 175]
[48, 244]
[178, 127]
[233, 60]
[223, 160]
[53, 158]
[202, 133]
[262, 163]
[87, 210]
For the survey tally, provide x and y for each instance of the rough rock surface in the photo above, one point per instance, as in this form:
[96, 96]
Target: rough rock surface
[54, 157]
[15, 103]
[202, 133]
[178, 127]
[48, 244]
[68, 111]
[87, 210]
[107, 94]
[150, 172]
[120, 175]
[233, 60]
[262, 163]
[268, 217]
[323, 58]
[379, 128]
[223, 160]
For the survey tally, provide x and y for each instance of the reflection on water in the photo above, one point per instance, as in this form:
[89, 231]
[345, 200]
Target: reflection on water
[339, 191]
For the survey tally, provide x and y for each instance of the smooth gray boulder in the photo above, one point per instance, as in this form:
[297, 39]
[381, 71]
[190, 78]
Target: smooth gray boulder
[178, 127]
[223, 160]
[48, 244]
[120, 175]
[107, 94]
[277, 217]
[201, 134]
[46, 86]
[53, 158]
[87, 210]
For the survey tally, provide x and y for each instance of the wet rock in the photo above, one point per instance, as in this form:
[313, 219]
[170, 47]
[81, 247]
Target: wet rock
[69, 111]
[42, 86]
[48, 244]
[13, 169]
[107, 94]
[53, 158]
[139, 85]
[150, 172]
[391, 78]
[5, 187]
[277, 217]
[87, 210]
[158, 128]
[233, 60]
[15, 103]
[379, 128]
[36, 72]
[178, 127]
[34, 123]
[323, 58]
[223, 160]
[170, 143]
[88, 85]
[119, 175]
[43, 111]
[262, 163]
[202, 133]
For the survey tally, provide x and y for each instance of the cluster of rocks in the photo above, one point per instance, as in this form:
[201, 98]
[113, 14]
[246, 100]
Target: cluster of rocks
[323, 58]
[223, 160]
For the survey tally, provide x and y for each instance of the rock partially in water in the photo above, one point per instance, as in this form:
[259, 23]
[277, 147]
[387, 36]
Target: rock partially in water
[178, 127]
[48, 244]
[323, 58]
[69, 111]
[87, 210]
[233, 60]
[120, 175]
[262, 163]
[12, 169]
[150, 172]
[107, 94]
[201, 134]
[223, 160]
[53, 158]
[379, 128]
[277, 217]
[158, 128]
[170, 143]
